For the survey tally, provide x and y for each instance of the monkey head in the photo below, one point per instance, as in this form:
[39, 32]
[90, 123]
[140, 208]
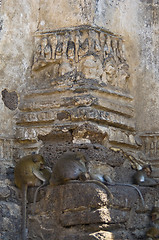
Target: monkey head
[25, 168]
[38, 160]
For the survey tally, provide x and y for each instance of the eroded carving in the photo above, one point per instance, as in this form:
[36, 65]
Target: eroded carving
[150, 145]
[90, 51]
[6, 149]
[91, 67]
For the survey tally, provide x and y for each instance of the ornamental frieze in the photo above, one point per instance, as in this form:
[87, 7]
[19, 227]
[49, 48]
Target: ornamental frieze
[92, 52]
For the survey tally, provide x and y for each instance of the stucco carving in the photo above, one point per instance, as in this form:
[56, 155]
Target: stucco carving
[81, 78]
[79, 91]
[150, 145]
[87, 50]
[80, 98]
[150, 149]
[6, 149]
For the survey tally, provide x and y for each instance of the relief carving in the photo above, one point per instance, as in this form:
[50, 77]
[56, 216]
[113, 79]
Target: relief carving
[150, 150]
[90, 51]
[6, 149]
[123, 75]
[150, 145]
[59, 50]
[110, 73]
[43, 54]
[91, 67]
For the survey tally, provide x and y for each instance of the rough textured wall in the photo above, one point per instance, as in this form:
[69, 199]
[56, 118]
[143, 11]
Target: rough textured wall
[19, 21]
[137, 21]
[45, 89]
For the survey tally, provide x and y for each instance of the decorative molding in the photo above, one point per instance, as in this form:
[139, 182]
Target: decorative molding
[6, 149]
[150, 145]
[88, 51]
[82, 81]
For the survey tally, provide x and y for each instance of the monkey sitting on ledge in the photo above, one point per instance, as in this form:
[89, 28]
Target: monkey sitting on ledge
[71, 168]
[143, 177]
[28, 172]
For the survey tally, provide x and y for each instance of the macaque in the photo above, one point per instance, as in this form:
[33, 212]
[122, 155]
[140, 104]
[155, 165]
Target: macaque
[153, 232]
[71, 167]
[108, 181]
[142, 177]
[27, 173]
[46, 172]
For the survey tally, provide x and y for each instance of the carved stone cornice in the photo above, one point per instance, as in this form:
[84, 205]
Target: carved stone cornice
[90, 52]
[81, 85]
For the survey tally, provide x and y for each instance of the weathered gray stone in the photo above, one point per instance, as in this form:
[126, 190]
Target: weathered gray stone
[73, 212]
[4, 192]
[101, 235]
[10, 221]
[80, 75]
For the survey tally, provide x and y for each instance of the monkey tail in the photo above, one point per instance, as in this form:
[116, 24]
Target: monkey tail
[130, 185]
[35, 197]
[101, 184]
[34, 201]
[24, 217]
[96, 182]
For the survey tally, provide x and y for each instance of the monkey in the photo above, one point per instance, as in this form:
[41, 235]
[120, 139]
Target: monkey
[108, 181]
[153, 231]
[142, 177]
[46, 172]
[71, 168]
[27, 173]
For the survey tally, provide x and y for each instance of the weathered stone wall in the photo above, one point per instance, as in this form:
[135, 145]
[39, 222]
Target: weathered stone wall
[137, 21]
[18, 24]
[91, 217]
[79, 75]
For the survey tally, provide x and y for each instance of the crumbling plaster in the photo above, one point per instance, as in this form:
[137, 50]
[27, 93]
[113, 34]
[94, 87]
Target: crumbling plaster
[136, 21]
[19, 22]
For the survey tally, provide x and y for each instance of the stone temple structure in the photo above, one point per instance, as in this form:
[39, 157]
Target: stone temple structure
[80, 75]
